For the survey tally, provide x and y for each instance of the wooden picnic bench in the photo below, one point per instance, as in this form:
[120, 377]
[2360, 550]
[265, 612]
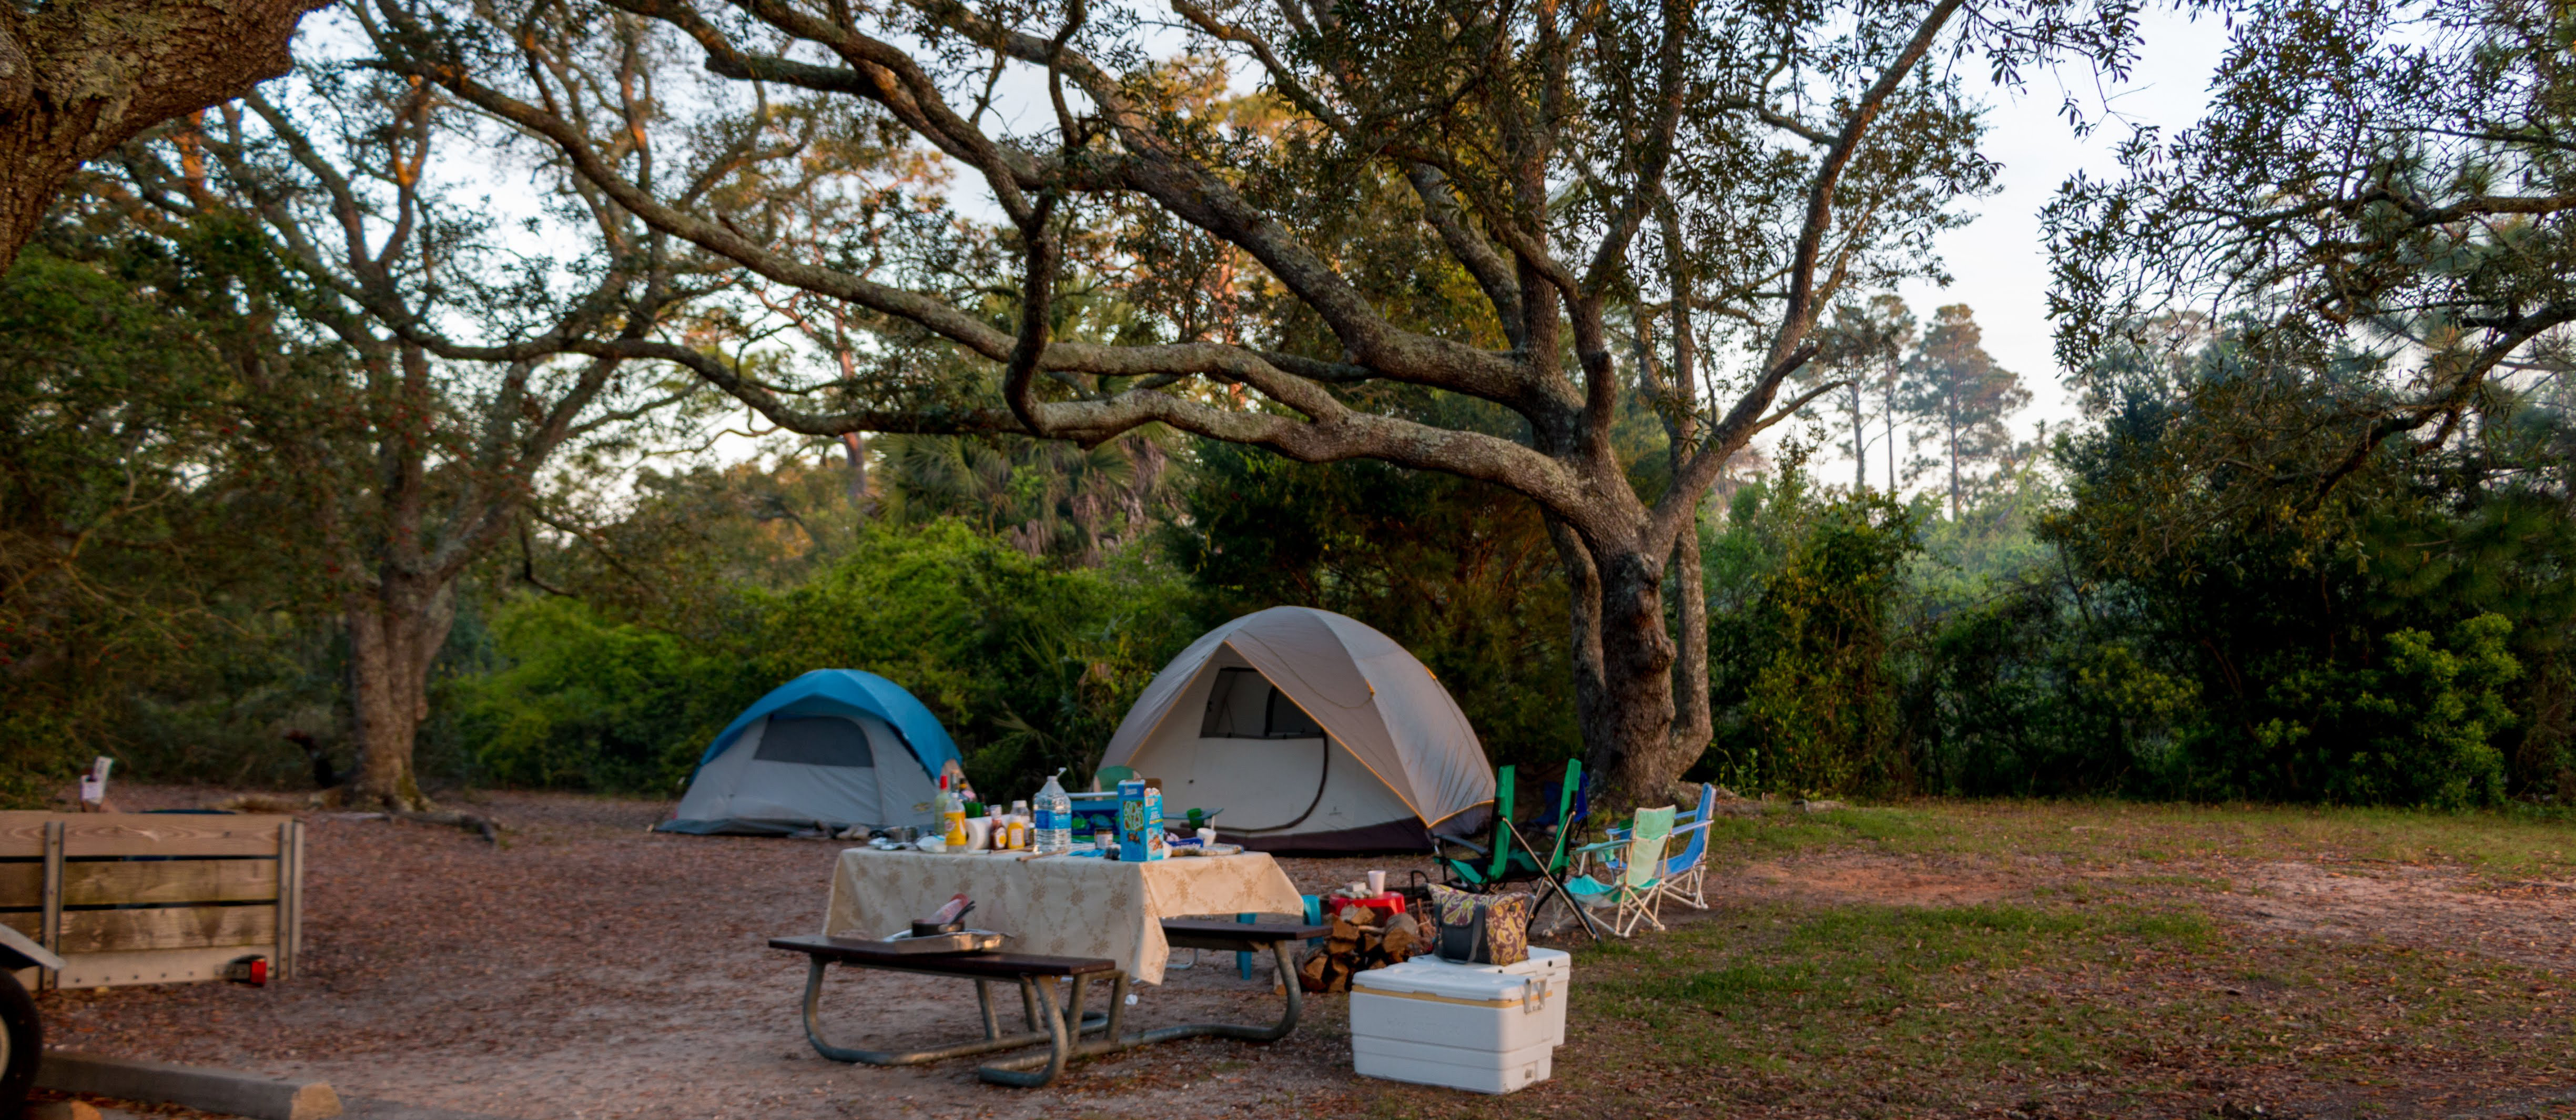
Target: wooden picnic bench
[1059, 1028]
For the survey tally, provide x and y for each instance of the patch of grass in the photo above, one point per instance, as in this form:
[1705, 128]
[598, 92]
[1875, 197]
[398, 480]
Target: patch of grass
[2106, 1008]
[2107, 833]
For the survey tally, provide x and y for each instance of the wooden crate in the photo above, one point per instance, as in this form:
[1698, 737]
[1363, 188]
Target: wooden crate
[153, 898]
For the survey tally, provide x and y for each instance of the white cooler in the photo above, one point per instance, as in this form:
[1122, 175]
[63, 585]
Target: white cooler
[1485, 1028]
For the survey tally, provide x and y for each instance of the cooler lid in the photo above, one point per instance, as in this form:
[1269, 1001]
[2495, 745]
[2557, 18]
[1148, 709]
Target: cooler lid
[1425, 976]
[1541, 962]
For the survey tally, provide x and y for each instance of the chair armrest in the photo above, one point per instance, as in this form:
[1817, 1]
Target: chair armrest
[1694, 826]
[1603, 846]
[1462, 842]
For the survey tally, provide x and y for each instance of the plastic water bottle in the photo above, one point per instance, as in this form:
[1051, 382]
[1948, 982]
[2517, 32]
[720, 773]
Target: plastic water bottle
[1053, 816]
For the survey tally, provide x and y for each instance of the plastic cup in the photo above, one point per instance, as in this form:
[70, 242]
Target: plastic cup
[1376, 883]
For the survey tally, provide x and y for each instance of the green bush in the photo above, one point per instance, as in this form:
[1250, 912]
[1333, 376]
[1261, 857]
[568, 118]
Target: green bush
[1803, 674]
[584, 703]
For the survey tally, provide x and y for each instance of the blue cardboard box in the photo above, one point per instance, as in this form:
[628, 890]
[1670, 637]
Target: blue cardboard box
[1140, 821]
[1093, 814]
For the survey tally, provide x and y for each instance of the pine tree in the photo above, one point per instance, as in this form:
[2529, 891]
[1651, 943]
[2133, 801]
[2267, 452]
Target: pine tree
[1953, 388]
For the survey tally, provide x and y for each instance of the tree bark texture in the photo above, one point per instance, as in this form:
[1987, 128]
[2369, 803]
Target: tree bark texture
[395, 631]
[78, 77]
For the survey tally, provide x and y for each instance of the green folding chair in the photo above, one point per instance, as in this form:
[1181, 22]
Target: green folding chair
[1511, 858]
[1490, 861]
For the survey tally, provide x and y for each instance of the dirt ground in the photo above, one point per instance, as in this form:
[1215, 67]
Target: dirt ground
[590, 969]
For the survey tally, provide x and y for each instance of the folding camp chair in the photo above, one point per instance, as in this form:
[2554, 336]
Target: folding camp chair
[1563, 805]
[1684, 871]
[1634, 867]
[1684, 874]
[1492, 859]
[1513, 858]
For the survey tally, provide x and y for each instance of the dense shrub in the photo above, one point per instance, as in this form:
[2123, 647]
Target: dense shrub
[1803, 668]
[1029, 664]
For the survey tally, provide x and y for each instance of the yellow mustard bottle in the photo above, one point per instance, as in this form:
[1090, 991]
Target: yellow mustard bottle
[952, 815]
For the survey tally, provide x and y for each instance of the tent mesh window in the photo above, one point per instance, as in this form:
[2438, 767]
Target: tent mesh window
[1285, 720]
[1243, 705]
[816, 741]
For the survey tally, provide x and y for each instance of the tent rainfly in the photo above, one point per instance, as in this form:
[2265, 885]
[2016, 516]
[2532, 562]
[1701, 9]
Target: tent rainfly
[830, 749]
[1313, 732]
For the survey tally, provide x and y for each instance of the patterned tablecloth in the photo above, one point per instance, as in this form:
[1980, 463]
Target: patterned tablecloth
[1060, 905]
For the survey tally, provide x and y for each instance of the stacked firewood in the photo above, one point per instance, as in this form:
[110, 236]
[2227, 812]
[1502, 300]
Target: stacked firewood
[1354, 946]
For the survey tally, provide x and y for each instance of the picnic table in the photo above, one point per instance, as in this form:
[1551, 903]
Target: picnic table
[1067, 906]
[1070, 919]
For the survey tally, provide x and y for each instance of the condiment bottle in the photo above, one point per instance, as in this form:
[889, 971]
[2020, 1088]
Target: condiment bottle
[952, 816]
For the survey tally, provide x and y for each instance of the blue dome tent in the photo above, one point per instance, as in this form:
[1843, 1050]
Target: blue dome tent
[831, 749]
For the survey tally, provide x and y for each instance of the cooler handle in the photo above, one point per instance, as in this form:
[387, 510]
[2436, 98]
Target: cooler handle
[1533, 995]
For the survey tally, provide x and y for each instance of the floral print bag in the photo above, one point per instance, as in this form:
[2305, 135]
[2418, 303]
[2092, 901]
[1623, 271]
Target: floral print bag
[1480, 928]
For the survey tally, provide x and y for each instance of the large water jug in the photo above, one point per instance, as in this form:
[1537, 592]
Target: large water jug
[1053, 815]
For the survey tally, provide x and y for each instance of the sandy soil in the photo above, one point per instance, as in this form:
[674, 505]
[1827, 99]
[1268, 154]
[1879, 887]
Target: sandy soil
[590, 969]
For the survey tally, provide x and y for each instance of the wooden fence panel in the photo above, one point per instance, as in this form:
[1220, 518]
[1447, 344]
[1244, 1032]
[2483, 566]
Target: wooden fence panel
[169, 882]
[199, 927]
[168, 834]
[22, 833]
[22, 884]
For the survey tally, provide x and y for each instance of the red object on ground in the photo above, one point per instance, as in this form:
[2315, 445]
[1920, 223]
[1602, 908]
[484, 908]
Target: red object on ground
[1386, 905]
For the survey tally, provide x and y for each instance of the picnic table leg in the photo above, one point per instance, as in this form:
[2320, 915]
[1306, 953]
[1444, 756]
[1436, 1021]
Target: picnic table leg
[814, 1033]
[1243, 960]
[1117, 1005]
[984, 1005]
[1114, 1039]
[1059, 1042]
[1296, 1005]
[1073, 1017]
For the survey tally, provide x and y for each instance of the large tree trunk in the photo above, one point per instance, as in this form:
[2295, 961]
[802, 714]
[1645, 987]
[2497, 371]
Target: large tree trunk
[78, 77]
[1624, 668]
[1635, 752]
[395, 631]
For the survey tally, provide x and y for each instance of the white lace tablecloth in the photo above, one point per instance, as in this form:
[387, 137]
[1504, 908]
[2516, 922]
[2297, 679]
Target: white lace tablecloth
[1061, 906]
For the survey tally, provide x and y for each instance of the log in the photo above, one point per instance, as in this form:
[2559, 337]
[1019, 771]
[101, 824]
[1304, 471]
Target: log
[208, 1090]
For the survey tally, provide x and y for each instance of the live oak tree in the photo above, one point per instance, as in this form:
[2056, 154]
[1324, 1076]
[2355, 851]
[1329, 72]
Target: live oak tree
[79, 77]
[1697, 178]
[461, 370]
[2382, 193]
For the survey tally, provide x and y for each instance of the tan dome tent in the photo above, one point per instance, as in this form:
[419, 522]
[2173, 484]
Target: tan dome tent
[1313, 732]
